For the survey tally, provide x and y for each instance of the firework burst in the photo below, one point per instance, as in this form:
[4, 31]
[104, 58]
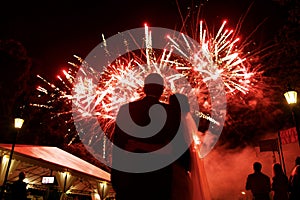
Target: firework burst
[97, 97]
[217, 56]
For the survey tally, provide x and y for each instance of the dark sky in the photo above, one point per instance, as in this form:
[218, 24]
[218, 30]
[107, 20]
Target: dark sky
[52, 31]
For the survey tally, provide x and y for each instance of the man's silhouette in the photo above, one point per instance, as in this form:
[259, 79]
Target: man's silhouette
[259, 183]
[19, 191]
[149, 185]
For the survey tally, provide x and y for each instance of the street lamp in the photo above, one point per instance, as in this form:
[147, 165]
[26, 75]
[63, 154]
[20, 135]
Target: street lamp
[18, 125]
[291, 98]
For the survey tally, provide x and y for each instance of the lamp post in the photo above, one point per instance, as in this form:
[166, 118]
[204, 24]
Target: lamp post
[18, 125]
[291, 98]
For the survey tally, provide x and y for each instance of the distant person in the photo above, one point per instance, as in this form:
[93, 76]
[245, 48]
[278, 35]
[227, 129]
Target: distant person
[152, 185]
[258, 183]
[280, 183]
[19, 191]
[294, 181]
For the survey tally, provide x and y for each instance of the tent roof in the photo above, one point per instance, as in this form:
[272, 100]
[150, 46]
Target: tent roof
[38, 161]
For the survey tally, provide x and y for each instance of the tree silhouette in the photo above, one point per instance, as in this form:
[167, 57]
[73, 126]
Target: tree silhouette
[16, 65]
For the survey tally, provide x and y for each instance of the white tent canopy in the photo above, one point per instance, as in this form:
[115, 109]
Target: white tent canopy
[73, 174]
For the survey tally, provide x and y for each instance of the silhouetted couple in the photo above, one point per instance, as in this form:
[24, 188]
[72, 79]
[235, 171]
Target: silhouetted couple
[261, 186]
[151, 153]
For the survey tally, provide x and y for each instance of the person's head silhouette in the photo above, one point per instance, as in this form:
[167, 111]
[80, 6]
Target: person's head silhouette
[154, 85]
[257, 166]
[21, 176]
[277, 169]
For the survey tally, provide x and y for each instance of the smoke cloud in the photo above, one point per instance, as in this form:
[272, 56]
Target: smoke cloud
[227, 170]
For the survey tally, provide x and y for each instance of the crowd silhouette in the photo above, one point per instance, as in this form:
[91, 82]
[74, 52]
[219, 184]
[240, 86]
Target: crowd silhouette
[279, 187]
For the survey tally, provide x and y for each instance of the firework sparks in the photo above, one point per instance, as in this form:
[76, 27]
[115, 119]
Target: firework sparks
[217, 57]
[122, 81]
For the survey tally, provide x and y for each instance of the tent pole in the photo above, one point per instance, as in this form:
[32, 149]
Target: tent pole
[65, 183]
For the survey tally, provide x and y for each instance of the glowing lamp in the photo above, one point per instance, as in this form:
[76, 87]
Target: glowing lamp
[291, 96]
[19, 122]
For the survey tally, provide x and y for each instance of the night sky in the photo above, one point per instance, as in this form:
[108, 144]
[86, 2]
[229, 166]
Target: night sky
[52, 32]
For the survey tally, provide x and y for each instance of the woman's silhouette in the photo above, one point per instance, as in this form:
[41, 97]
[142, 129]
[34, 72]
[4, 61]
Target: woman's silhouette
[197, 187]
